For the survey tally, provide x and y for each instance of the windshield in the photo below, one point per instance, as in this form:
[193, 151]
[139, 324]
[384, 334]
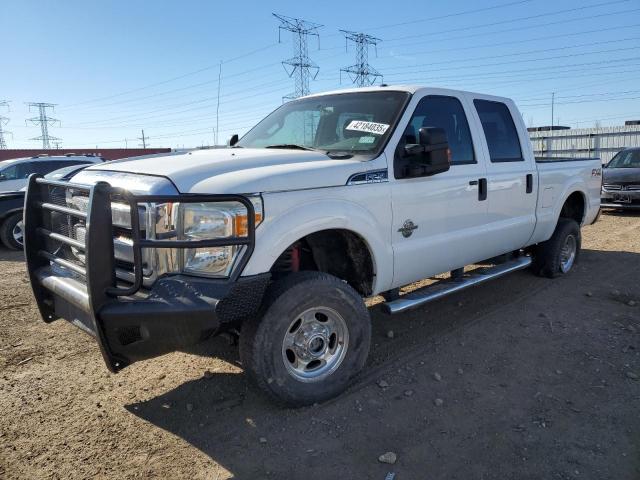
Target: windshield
[625, 159]
[357, 122]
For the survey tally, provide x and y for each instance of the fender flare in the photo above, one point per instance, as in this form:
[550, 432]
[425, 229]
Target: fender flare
[574, 187]
[10, 213]
[275, 235]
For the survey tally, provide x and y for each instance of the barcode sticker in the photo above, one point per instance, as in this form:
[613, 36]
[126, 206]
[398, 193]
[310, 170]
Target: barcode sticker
[369, 127]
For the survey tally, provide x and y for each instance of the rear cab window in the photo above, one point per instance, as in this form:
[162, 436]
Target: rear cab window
[500, 131]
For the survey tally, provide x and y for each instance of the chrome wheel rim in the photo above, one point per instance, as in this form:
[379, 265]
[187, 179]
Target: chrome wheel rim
[315, 344]
[568, 253]
[18, 233]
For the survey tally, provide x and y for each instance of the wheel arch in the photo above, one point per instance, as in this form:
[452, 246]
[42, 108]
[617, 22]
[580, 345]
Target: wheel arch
[573, 206]
[340, 252]
[275, 236]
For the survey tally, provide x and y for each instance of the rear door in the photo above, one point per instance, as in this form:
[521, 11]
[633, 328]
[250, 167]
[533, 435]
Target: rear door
[439, 221]
[511, 175]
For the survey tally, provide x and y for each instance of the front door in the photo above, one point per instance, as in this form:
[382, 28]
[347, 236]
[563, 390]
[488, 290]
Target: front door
[439, 221]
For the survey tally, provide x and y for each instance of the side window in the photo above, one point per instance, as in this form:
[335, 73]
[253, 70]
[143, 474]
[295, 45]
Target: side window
[446, 113]
[500, 131]
[23, 170]
[10, 173]
[43, 167]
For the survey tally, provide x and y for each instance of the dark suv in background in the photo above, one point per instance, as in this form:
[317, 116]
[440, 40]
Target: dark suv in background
[621, 180]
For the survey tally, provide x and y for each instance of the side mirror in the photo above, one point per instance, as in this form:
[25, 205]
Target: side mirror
[430, 156]
[233, 140]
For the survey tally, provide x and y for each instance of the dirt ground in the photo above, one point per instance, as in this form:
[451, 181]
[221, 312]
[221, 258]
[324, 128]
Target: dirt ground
[522, 378]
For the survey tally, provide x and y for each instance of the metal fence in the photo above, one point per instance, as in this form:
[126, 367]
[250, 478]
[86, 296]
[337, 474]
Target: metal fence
[603, 142]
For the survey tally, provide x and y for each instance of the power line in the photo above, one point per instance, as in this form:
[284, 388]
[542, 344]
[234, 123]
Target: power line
[173, 79]
[300, 66]
[44, 121]
[188, 87]
[526, 40]
[527, 52]
[511, 20]
[361, 73]
[203, 105]
[526, 61]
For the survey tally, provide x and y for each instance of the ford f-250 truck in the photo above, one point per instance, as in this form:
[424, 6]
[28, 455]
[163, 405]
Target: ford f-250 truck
[331, 198]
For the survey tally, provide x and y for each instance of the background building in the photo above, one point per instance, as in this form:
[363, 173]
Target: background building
[602, 142]
[106, 153]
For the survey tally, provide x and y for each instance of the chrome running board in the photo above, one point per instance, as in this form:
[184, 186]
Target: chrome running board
[446, 287]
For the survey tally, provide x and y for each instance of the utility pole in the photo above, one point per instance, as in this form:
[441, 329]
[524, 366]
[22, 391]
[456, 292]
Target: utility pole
[361, 73]
[299, 67]
[143, 139]
[44, 121]
[553, 98]
[3, 122]
[215, 139]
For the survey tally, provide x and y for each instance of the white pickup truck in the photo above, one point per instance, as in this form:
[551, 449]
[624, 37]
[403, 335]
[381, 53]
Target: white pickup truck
[329, 199]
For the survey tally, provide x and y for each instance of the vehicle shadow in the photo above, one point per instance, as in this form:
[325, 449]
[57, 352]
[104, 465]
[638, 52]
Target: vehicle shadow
[223, 416]
[621, 212]
[7, 255]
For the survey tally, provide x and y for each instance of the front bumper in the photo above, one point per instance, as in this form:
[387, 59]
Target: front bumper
[128, 322]
[620, 199]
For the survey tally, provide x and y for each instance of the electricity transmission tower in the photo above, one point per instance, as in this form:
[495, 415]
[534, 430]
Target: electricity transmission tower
[300, 66]
[3, 122]
[44, 121]
[361, 73]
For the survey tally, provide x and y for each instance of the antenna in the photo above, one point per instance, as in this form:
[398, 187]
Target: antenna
[300, 67]
[361, 73]
[44, 121]
[3, 122]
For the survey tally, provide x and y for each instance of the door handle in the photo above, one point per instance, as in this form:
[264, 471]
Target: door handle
[529, 182]
[482, 189]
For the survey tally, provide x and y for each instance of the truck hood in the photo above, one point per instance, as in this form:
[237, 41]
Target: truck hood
[621, 175]
[245, 170]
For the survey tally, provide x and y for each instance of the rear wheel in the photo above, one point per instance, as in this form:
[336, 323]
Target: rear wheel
[11, 232]
[311, 340]
[559, 254]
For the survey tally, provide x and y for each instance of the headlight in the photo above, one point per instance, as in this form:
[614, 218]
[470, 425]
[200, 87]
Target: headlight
[204, 221]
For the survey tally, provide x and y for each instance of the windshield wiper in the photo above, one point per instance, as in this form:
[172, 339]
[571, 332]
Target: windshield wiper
[290, 146]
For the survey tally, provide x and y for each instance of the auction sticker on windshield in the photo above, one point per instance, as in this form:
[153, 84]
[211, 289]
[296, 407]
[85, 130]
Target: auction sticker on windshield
[369, 127]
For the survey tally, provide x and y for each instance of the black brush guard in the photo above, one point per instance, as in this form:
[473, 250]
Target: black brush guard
[129, 324]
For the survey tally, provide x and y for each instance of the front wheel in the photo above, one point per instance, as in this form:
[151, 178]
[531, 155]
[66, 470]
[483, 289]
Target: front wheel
[559, 254]
[311, 340]
[11, 232]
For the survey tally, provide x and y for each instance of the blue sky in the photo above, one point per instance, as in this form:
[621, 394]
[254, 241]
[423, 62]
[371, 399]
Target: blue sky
[115, 67]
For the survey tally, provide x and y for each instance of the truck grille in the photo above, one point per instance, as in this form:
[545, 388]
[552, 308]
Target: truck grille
[73, 229]
[71, 226]
[61, 220]
[621, 186]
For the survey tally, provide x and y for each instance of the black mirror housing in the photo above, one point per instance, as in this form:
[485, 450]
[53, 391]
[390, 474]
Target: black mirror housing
[233, 140]
[430, 156]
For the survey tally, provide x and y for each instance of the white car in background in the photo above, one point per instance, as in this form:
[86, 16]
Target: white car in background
[14, 173]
